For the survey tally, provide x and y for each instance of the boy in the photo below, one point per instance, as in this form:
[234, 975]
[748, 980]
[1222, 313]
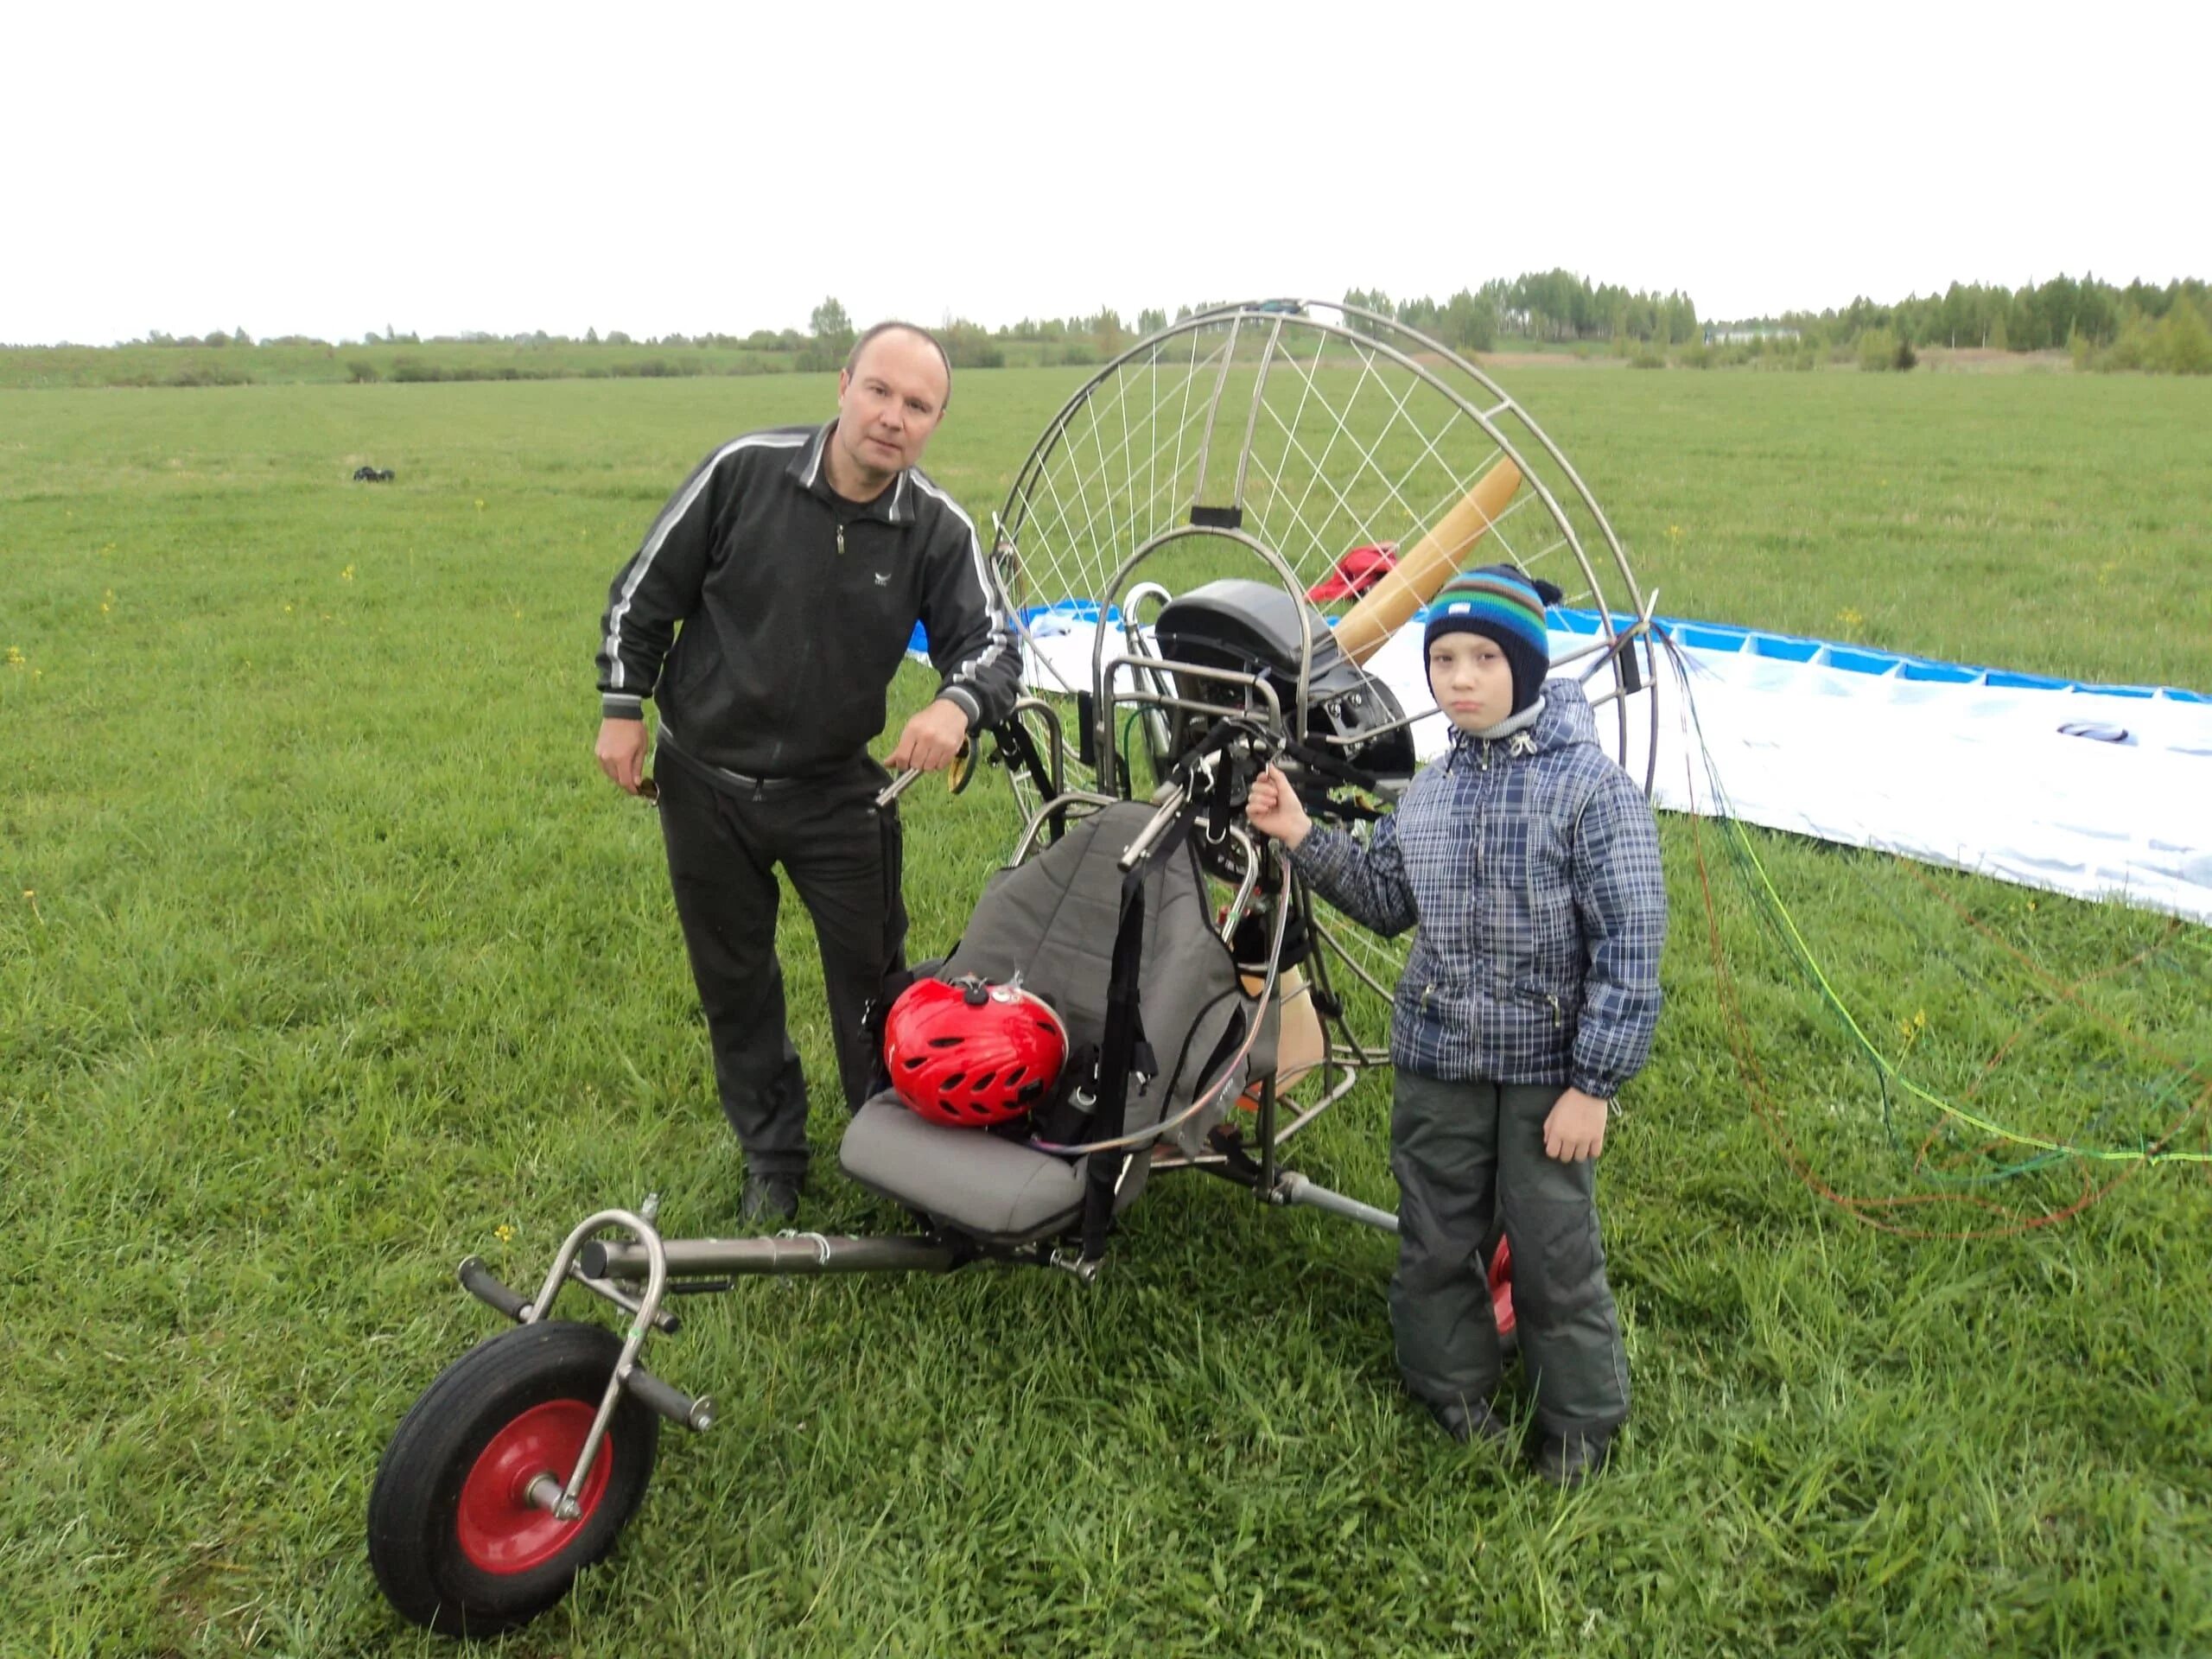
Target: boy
[1529, 863]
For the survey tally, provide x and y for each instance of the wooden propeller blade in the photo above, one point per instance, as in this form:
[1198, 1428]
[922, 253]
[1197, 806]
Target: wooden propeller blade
[1434, 560]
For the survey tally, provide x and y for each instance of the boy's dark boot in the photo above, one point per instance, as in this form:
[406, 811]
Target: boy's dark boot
[1568, 1460]
[1469, 1422]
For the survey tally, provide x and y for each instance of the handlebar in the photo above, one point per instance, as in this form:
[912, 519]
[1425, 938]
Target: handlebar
[892, 790]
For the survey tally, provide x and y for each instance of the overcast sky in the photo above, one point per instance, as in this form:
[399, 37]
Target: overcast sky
[329, 169]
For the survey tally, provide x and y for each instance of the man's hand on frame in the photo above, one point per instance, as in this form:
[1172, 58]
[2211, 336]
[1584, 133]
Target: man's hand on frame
[932, 738]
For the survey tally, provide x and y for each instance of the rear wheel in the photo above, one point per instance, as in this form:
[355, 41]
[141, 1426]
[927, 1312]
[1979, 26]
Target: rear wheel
[455, 1542]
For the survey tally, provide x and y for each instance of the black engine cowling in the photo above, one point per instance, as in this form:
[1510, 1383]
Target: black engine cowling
[1254, 627]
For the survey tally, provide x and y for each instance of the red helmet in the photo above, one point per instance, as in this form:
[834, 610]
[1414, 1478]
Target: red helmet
[971, 1052]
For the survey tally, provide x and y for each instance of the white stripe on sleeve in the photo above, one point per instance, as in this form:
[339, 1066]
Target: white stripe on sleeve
[670, 517]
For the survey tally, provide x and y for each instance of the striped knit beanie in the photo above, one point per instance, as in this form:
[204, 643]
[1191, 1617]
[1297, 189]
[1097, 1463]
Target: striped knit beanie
[1498, 602]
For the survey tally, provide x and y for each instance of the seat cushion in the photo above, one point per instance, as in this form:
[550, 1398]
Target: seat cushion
[983, 1185]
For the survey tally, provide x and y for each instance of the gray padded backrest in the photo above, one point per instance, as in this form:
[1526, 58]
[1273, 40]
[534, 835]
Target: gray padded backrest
[1052, 919]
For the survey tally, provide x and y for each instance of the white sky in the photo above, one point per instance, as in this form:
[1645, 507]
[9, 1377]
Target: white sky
[330, 169]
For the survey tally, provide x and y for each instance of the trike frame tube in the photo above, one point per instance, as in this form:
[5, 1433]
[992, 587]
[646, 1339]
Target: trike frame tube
[809, 1253]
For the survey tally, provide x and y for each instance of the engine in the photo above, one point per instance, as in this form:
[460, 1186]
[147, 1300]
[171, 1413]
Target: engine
[1256, 628]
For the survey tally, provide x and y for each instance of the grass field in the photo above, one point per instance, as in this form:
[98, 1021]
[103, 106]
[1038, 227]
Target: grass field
[307, 362]
[327, 958]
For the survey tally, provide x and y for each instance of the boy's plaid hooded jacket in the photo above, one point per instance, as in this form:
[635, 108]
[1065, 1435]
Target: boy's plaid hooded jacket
[1530, 865]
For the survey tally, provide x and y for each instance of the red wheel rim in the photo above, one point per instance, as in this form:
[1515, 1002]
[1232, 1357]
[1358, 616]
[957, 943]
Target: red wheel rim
[1500, 1286]
[499, 1528]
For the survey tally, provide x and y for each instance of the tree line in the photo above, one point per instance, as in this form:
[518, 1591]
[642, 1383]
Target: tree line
[2141, 326]
[1551, 307]
[2063, 312]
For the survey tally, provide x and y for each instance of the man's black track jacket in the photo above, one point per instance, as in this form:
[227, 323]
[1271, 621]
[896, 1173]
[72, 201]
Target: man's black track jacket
[789, 637]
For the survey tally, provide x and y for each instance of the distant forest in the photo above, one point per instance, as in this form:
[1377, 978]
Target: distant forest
[2155, 329]
[2138, 326]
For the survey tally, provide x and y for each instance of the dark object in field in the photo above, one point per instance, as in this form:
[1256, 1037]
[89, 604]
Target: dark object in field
[372, 474]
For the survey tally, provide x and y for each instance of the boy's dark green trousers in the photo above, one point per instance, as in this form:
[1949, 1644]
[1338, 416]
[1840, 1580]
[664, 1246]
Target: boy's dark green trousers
[1468, 1156]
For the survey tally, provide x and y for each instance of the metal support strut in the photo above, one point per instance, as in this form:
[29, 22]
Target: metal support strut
[1294, 1188]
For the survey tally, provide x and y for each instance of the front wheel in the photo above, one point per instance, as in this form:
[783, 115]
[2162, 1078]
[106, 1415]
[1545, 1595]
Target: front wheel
[456, 1544]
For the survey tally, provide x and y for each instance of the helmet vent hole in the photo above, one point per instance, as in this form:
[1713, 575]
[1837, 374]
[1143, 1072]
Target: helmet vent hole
[944, 1042]
[984, 1079]
[952, 1081]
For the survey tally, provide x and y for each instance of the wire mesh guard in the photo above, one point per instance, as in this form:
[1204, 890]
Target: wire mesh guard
[1318, 430]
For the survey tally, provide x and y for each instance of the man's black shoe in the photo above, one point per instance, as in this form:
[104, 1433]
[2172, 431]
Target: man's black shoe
[1465, 1422]
[1570, 1459]
[769, 1198]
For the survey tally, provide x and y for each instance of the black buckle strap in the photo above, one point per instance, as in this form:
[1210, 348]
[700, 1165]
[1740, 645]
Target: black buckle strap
[1122, 1049]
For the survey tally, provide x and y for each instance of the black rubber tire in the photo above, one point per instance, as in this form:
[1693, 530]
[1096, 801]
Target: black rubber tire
[414, 1543]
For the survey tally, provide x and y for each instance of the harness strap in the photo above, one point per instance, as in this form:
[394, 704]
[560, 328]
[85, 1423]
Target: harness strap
[1122, 1048]
[1017, 746]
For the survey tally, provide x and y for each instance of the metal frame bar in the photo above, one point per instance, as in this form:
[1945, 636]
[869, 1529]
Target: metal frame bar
[1213, 413]
[1252, 419]
[810, 1255]
[1102, 708]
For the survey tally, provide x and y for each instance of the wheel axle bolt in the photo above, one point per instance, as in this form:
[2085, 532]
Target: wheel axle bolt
[544, 1492]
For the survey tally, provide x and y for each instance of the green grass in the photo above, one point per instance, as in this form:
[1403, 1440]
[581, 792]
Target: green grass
[325, 956]
[46, 367]
[319, 363]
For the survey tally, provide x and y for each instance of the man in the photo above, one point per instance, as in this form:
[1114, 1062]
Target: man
[765, 615]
